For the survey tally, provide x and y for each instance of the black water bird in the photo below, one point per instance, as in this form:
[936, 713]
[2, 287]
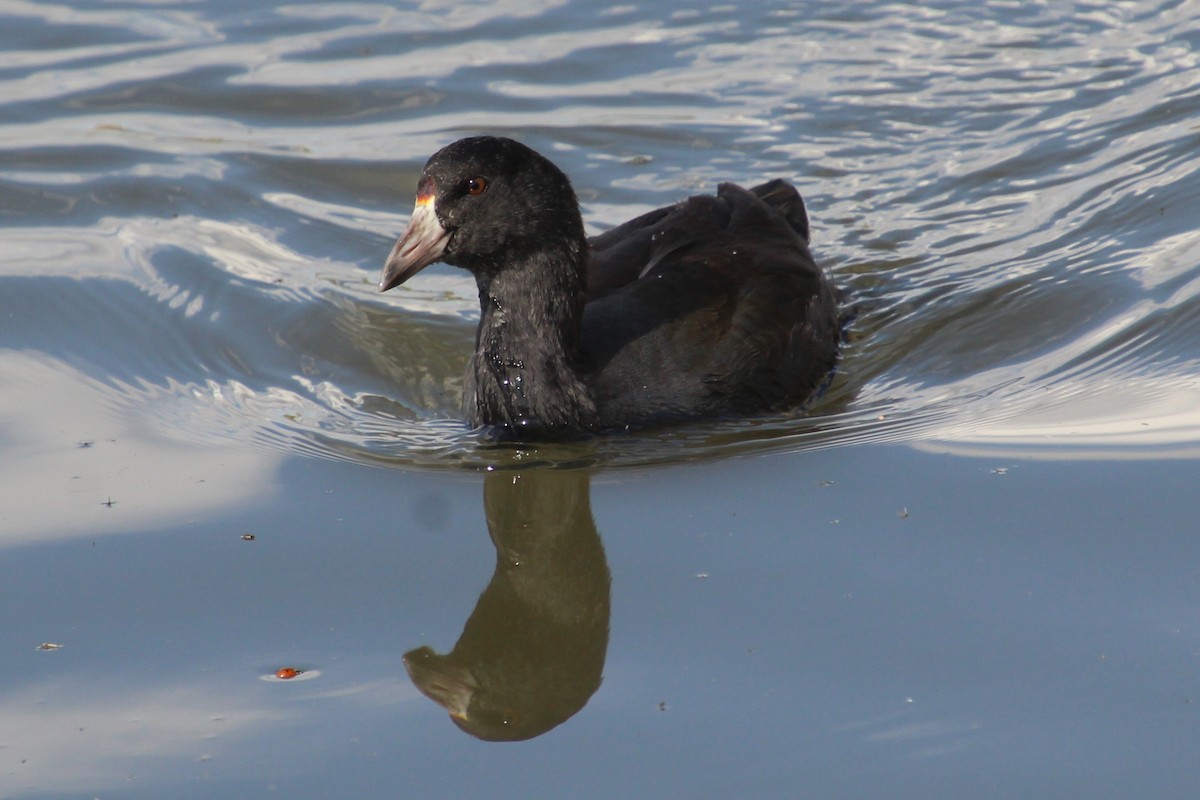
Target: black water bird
[712, 307]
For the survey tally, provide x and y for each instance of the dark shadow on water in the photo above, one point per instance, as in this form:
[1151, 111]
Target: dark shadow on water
[532, 653]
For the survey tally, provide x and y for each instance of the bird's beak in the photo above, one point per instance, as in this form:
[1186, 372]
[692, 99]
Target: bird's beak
[423, 243]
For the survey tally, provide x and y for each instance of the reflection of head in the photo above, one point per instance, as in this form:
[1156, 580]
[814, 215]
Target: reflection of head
[532, 653]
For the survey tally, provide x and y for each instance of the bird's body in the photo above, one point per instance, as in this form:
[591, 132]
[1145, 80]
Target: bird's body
[711, 307]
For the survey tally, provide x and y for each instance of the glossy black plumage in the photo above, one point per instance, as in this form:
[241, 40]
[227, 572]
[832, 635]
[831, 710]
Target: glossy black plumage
[711, 307]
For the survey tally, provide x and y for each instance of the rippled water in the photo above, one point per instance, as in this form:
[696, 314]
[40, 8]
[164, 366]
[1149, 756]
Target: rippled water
[196, 199]
[1001, 191]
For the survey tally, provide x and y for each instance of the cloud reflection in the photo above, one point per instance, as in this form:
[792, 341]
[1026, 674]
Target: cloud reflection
[74, 463]
[87, 738]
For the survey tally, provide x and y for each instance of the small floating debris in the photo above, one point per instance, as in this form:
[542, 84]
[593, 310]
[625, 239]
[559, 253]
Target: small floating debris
[109, 503]
[248, 537]
[49, 646]
[902, 513]
[290, 674]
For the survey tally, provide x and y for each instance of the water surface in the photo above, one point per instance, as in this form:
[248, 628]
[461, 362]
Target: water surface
[968, 569]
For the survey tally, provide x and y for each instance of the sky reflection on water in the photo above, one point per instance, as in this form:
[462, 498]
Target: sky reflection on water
[969, 572]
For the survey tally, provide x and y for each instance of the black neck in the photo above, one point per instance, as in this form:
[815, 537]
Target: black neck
[526, 364]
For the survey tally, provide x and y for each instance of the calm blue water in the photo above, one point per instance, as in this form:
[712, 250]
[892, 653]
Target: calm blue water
[969, 571]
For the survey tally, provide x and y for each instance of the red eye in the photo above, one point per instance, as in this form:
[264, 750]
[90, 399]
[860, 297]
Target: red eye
[476, 186]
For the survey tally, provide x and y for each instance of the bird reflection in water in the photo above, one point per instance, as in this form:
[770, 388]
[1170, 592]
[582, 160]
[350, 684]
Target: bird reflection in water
[532, 653]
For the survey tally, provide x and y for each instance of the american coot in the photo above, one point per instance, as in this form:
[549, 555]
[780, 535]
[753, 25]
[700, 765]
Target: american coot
[712, 307]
